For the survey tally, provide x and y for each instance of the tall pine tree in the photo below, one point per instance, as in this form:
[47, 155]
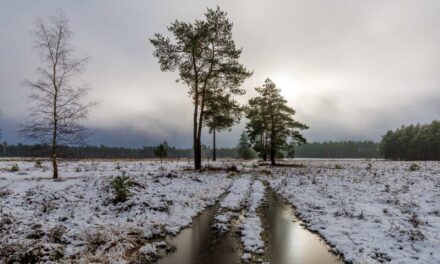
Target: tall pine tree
[204, 53]
[271, 124]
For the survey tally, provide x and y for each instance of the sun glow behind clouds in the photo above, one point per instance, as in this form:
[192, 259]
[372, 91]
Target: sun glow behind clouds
[288, 85]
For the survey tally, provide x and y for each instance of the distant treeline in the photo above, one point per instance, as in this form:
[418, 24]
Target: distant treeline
[345, 149]
[414, 142]
[341, 149]
[81, 152]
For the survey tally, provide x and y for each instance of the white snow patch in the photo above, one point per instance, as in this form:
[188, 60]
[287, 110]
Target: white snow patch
[163, 199]
[371, 213]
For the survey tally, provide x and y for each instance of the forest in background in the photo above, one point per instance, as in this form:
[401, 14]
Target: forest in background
[413, 142]
[343, 149]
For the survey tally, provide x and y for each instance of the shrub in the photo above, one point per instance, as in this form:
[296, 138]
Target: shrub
[15, 167]
[56, 233]
[38, 164]
[338, 167]
[120, 188]
[4, 191]
[95, 240]
[267, 172]
[232, 167]
[414, 167]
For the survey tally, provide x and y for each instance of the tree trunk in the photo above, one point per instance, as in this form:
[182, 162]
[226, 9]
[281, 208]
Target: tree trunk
[197, 154]
[54, 161]
[214, 157]
[196, 139]
[54, 135]
[54, 150]
[272, 156]
[272, 148]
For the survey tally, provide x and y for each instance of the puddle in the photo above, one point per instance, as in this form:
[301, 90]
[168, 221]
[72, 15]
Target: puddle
[289, 242]
[200, 244]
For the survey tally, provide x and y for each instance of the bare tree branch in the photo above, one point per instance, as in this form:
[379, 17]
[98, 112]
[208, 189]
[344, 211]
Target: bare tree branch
[57, 108]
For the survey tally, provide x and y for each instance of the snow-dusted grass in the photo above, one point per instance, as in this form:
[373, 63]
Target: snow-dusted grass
[238, 194]
[229, 206]
[371, 211]
[246, 195]
[251, 227]
[75, 217]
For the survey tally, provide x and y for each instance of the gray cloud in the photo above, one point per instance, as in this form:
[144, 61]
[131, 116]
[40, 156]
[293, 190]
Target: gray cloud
[351, 69]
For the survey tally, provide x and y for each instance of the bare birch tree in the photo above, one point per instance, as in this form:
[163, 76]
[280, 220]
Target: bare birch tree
[57, 107]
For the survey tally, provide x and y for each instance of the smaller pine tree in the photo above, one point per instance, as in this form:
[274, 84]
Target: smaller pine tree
[244, 147]
[161, 151]
[120, 187]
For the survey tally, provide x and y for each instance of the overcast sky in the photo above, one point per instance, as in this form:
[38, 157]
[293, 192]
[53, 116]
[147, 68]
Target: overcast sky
[351, 69]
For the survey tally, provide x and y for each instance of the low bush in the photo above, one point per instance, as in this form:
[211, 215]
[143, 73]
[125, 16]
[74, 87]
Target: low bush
[38, 164]
[414, 167]
[232, 168]
[120, 187]
[56, 233]
[15, 167]
[95, 239]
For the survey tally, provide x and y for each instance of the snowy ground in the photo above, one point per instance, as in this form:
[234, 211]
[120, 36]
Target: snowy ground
[76, 218]
[371, 211]
[239, 208]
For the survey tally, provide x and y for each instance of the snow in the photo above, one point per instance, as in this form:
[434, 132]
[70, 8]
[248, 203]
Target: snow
[164, 199]
[246, 195]
[230, 205]
[250, 234]
[370, 213]
[238, 193]
[251, 227]
[257, 196]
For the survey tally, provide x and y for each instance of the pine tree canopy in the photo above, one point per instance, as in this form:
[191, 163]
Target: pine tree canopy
[271, 124]
[207, 59]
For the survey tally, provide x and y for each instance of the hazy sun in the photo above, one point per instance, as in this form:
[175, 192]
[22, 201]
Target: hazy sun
[287, 84]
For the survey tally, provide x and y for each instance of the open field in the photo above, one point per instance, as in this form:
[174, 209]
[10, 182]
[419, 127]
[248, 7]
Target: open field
[369, 211]
[76, 218]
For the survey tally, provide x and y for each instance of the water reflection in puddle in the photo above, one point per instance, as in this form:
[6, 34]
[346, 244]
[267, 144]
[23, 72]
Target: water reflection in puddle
[289, 242]
[200, 244]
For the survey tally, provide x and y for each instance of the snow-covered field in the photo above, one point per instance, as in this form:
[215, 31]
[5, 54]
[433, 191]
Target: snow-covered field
[371, 211]
[76, 218]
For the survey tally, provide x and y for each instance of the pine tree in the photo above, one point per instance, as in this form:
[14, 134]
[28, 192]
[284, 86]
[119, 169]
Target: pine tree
[161, 151]
[413, 142]
[271, 122]
[257, 127]
[204, 53]
[222, 112]
[244, 147]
